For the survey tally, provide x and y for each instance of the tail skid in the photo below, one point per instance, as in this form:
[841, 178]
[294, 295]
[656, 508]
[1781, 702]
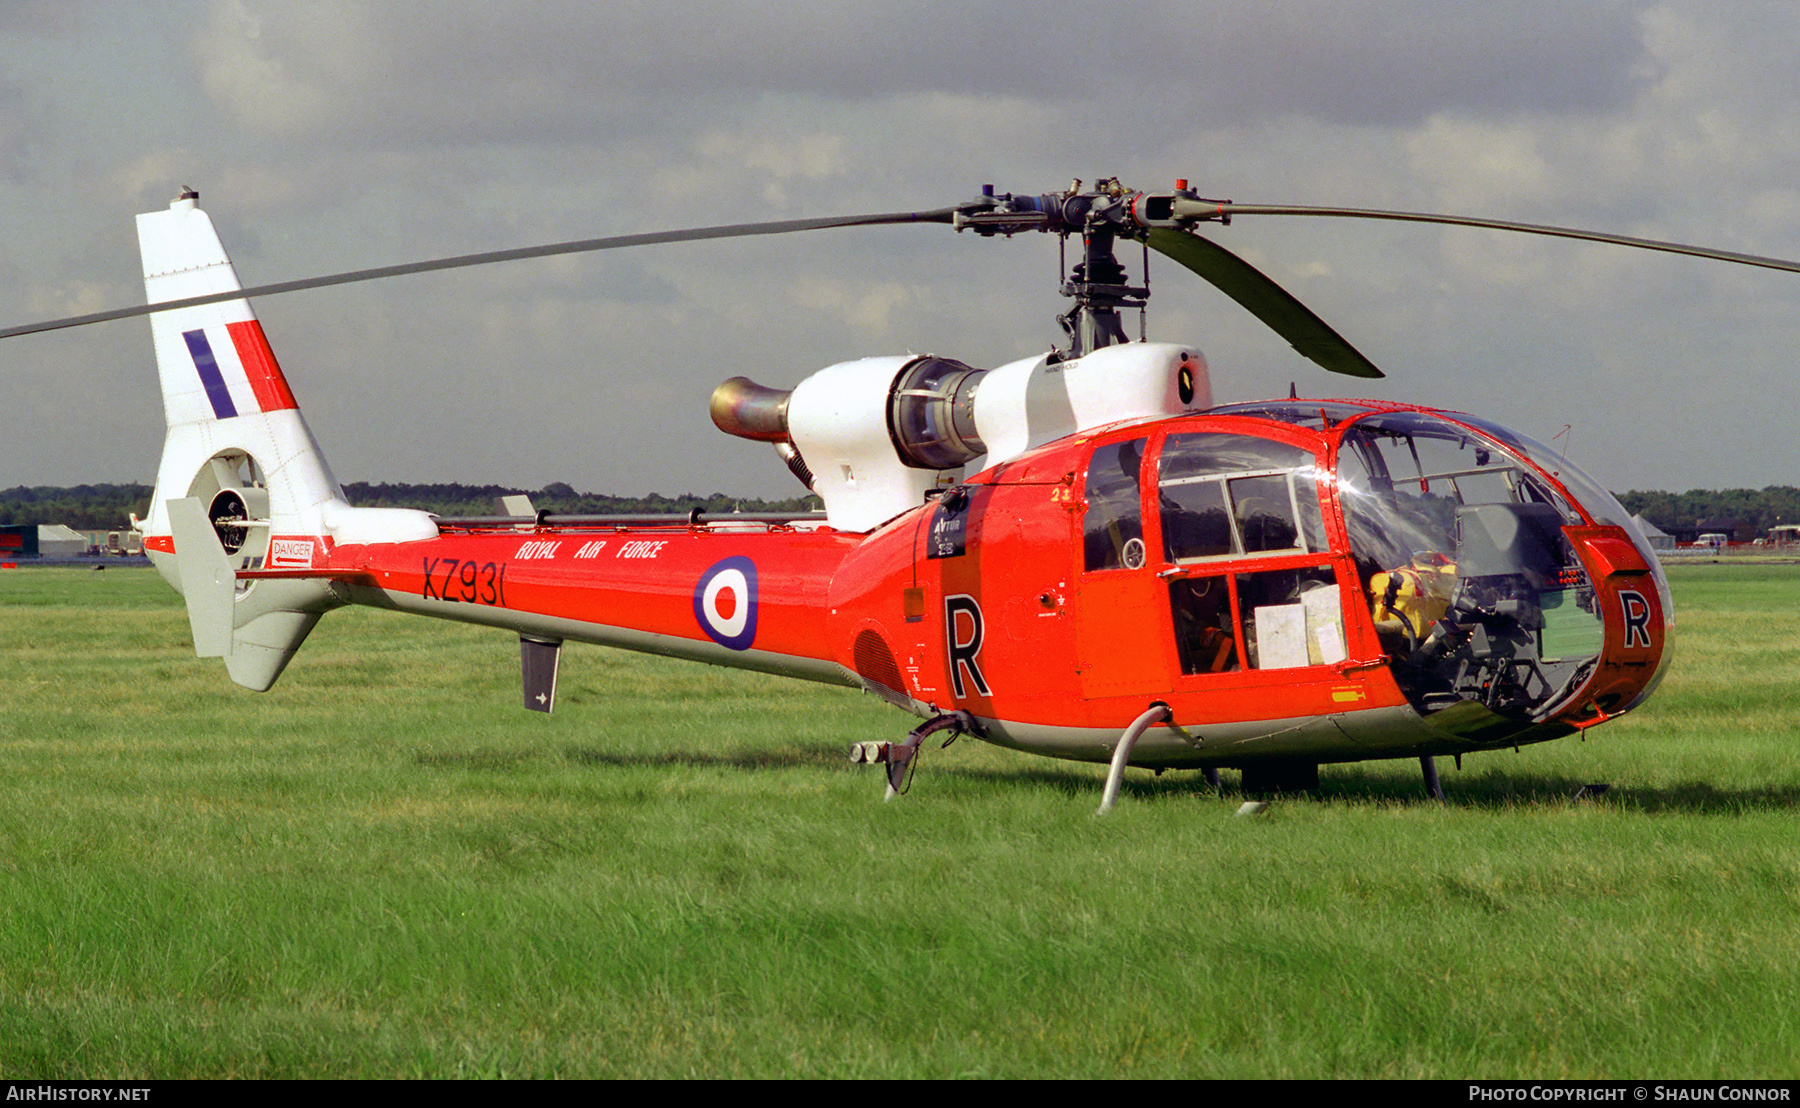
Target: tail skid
[242, 486]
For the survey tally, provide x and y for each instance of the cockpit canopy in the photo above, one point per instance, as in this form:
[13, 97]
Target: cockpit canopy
[1454, 527]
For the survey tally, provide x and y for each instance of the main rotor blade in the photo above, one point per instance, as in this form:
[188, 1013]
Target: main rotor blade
[1507, 225]
[1265, 299]
[464, 261]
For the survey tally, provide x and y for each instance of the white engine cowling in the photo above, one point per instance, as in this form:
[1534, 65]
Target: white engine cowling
[879, 432]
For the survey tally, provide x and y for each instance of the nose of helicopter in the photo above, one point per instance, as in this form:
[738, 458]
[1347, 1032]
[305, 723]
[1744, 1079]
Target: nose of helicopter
[1639, 622]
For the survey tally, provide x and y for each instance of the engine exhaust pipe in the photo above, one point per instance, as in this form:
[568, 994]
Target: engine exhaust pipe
[748, 410]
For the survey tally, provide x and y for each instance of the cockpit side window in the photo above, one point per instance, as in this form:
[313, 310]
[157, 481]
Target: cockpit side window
[1223, 495]
[1113, 529]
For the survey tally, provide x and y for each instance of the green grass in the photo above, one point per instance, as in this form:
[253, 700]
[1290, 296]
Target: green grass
[385, 867]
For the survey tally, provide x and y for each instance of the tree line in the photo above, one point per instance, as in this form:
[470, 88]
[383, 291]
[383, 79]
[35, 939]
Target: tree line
[558, 499]
[1756, 509]
[106, 507]
[84, 507]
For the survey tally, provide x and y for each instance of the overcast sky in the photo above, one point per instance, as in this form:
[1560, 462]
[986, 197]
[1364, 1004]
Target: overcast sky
[330, 136]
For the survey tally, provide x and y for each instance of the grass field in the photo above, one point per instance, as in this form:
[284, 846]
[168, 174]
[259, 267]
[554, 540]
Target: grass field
[384, 867]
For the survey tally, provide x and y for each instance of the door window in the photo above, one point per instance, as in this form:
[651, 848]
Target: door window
[1113, 530]
[1221, 495]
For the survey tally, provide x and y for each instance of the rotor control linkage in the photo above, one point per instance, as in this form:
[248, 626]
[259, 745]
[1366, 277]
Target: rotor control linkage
[899, 756]
[1108, 206]
[1100, 215]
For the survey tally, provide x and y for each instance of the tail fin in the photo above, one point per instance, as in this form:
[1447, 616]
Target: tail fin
[239, 448]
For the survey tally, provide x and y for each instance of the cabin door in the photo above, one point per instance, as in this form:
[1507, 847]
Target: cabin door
[1122, 629]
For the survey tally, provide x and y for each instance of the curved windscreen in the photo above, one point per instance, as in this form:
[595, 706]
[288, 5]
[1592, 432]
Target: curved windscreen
[1473, 585]
[1600, 505]
[1403, 476]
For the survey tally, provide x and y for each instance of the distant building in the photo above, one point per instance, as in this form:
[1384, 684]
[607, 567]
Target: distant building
[45, 540]
[57, 541]
[1654, 535]
[18, 540]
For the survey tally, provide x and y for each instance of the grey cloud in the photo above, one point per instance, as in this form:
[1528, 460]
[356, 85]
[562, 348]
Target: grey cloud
[332, 136]
[43, 18]
[14, 127]
[395, 74]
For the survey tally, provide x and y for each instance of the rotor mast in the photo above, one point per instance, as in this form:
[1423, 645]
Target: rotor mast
[1098, 283]
[1098, 286]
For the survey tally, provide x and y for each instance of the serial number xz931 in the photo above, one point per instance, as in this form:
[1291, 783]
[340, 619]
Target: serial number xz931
[467, 582]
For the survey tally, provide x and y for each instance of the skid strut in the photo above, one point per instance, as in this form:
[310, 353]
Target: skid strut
[1156, 713]
[1428, 764]
[899, 756]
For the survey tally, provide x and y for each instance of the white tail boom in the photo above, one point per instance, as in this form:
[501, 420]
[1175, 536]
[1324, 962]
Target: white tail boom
[242, 484]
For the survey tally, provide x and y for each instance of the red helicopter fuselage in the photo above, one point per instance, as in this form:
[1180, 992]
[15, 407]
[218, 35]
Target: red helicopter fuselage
[1297, 580]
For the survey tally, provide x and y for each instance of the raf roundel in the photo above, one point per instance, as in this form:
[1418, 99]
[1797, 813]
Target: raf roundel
[725, 603]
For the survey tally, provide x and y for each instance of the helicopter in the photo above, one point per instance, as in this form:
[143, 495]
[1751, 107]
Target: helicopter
[1076, 554]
